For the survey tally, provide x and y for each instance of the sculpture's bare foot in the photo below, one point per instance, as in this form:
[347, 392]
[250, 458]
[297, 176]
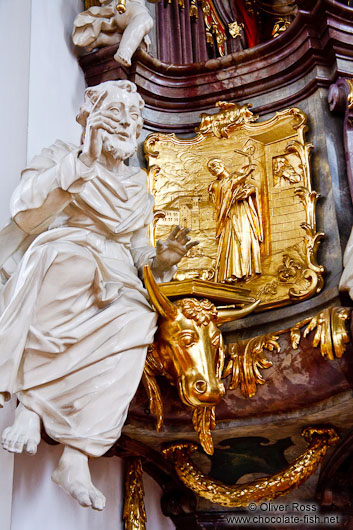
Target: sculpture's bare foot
[24, 434]
[123, 58]
[73, 475]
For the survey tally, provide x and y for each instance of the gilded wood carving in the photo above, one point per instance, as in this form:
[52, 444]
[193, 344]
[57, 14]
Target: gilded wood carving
[268, 488]
[134, 513]
[244, 189]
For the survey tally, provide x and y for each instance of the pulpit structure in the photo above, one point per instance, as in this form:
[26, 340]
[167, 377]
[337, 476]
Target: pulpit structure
[247, 141]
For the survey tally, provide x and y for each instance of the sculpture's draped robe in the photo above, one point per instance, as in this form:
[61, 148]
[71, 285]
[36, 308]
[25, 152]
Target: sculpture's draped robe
[239, 229]
[75, 322]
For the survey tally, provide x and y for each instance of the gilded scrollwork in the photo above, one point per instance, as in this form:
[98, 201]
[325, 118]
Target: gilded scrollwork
[214, 26]
[268, 488]
[309, 200]
[331, 334]
[230, 115]
[134, 514]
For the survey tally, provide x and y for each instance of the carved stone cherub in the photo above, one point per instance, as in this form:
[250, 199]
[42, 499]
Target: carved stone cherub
[75, 320]
[105, 26]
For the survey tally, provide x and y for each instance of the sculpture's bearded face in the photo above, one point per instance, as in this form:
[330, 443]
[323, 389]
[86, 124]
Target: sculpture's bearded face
[124, 110]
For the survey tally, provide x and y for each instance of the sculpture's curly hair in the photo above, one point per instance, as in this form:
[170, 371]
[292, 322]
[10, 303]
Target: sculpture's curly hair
[95, 96]
[202, 311]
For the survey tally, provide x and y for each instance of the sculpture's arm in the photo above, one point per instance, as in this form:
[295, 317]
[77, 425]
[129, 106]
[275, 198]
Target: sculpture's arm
[36, 220]
[47, 186]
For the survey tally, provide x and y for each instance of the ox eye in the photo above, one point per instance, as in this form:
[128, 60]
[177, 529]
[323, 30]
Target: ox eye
[187, 338]
[216, 340]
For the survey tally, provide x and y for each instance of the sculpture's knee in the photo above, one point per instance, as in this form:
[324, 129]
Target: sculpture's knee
[148, 24]
[143, 22]
[71, 267]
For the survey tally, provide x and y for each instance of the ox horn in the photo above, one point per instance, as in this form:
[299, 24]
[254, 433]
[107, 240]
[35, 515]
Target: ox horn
[227, 315]
[161, 303]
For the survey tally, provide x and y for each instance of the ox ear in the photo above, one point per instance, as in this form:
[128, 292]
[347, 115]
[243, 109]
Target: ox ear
[227, 315]
[161, 303]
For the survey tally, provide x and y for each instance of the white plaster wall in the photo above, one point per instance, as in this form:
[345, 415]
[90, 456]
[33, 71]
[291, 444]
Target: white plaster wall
[56, 82]
[14, 68]
[42, 87]
[39, 503]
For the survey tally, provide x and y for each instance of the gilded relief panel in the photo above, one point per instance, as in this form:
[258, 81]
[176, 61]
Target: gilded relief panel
[243, 188]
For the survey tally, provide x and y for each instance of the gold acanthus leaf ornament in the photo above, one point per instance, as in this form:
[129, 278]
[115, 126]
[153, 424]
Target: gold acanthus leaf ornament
[204, 420]
[264, 489]
[245, 359]
[134, 513]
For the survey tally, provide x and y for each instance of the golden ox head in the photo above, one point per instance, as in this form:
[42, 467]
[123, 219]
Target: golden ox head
[189, 346]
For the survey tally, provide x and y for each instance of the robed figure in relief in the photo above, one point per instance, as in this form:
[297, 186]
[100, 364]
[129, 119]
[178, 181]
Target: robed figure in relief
[238, 223]
[75, 320]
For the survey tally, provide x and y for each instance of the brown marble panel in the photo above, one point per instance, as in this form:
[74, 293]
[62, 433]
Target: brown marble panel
[316, 49]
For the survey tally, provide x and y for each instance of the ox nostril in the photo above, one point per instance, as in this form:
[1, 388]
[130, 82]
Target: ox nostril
[200, 386]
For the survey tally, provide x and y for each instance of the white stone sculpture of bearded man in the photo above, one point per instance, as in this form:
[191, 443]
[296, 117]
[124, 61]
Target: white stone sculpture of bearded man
[75, 321]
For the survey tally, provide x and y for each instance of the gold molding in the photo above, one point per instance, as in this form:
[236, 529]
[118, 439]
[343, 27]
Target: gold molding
[134, 514]
[264, 489]
[214, 26]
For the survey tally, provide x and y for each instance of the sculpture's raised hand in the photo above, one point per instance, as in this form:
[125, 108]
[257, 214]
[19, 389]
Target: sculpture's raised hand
[173, 249]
